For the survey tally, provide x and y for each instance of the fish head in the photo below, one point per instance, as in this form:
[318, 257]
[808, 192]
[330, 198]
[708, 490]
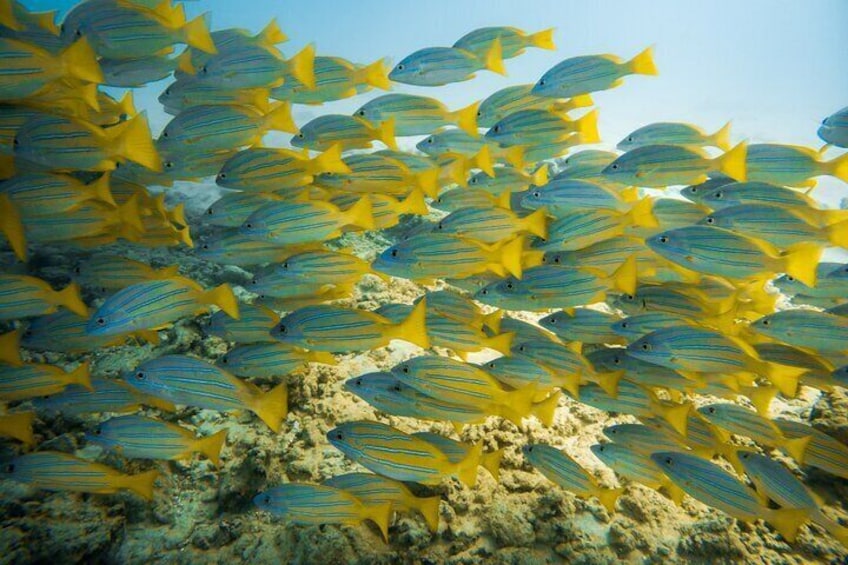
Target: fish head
[632, 141]
[555, 257]
[330, 179]
[147, 378]
[370, 113]
[666, 460]
[548, 87]
[501, 132]
[433, 145]
[100, 436]
[255, 226]
[672, 245]
[397, 260]
[410, 69]
[716, 220]
[603, 451]
[624, 169]
[288, 330]
[651, 348]
[535, 198]
[840, 375]
[263, 501]
[109, 320]
[716, 412]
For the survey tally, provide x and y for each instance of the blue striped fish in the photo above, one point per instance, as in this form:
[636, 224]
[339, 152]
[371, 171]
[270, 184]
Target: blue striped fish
[437, 66]
[335, 78]
[416, 115]
[255, 66]
[492, 224]
[403, 457]
[520, 97]
[659, 166]
[47, 193]
[190, 91]
[819, 331]
[513, 40]
[531, 127]
[457, 451]
[736, 193]
[65, 331]
[636, 467]
[349, 132]
[234, 248]
[269, 169]
[823, 451]
[792, 165]
[519, 372]
[28, 68]
[233, 208]
[630, 398]
[252, 326]
[105, 395]
[311, 272]
[37, 379]
[635, 326]
[834, 128]
[10, 350]
[18, 425]
[583, 324]
[373, 173]
[675, 133]
[184, 380]
[306, 504]
[116, 272]
[591, 73]
[23, 296]
[643, 439]
[268, 360]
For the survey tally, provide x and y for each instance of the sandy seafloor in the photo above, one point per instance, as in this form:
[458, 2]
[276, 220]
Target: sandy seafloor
[201, 514]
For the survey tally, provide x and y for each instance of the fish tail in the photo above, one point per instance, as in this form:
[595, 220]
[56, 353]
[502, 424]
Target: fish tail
[414, 328]
[784, 377]
[546, 409]
[721, 138]
[12, 227]
[100, 190]
[280, 119]
[80, 376]
[492, 462]
[129, 214]
[493, 60]
[141, 483]
[581, 101]
[570, 383]
[801, 262]
[543, 39]
[18, 426]
[10, 352]
[837, 234]
[587, 128]
[537, 223]
[222, 296]
[514, 156]
[184, 236]
[467, 468]
[608, 497]
[7, 16]
[732, 163]
[177, 215]
[642, 214]
[381, 515]
[429, 509]
[302, 66]
[375, 75]
[428, 182]
[609, 382]
[88, 94]
[493, 320]
[466, 118]
[786, 521]
[134, 142]
[540, 176]
[834, 529]
[322, 357]
[330, 161]
[150, 336]
[385, 132]
[839, 167]
[483, 161]
[211, 446]
[70, 298]
[457, 171]
[796, 447]
[761, 398]
[677, 416]
[127, 104]
[501, 343]
[196, 34]
[414, 203]
[624, 277]
[80, 62]
[271, 34]
[184, 63]
[643, 63]
[360, 214]
[511, 255]
[272, 407]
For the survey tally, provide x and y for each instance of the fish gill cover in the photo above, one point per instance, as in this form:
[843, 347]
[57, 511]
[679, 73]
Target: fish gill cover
[355, 328]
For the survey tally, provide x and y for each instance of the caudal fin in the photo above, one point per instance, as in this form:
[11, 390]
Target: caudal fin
[196, 34]
[385, 132]
[608, 497]
[12, 227]
[721, 138]
[141, 484]
[643, 63]
[376, 74]
[80, 376]
[100, 190]
[18, 426]
[302, 66]
[732, 163]
[801, 261]
[135, 143]
[494, 58]
[70, 298]
[837, 234]
[414, 203]
[587, 128]
[272, 406]
[784, 377]
[222, 296]
[429, 509]
[466, 118]
[787, 521]
[678, 416]
[536, 223]
[839, 167]
[381, 515]
[546, 409]
[624, 277]
[211, 446]
[271, 34]
[511, 256]
[492, 463]
[796, 447]
[466, 470]
[501, 343]
[483, 161]
[10, 352]
[540, 176]
[414, 328]
[761, 398]
[361, 214]
[330, 161]
[279, 119]
[543, 39]
[80, 62]
[428, 182]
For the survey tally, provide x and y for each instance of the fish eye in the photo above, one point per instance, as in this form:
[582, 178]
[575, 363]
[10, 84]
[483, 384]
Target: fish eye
[646, 347]
[205, 246]
[556, 258]
[338, 435]
[15, 142]
[630, 138]
[248, 226]
[361, 112]
[552, 321]
[254, 282]
[430, 140]
[266, 499]
[711, 410]
[765, 321]
[719, 195]
[165, 133]
[101, 321]
[169, 164]
[209, 211]
[479, 113]
[529, 448]
[167, 92]
[204, 69]
[629, 297]
[745, 455]
[222, 175]
[396, 388]
[542, 82]
[497, 129]
[224, 360]
[78, 33]
[400, 67]
[790, 278]
[710, 220]
[300, 135]
[537, 194]
[484, 291]
[405, 369]
[28, 333]
[77, 270]
[625, 325]
[286, 265]
[616, 360]
[509, 286]
[394, 253]
[282, 328]
[614, 166]
[522, 348]
[492, 365]
[663, 239]
[669, 461]
[140, 375]
[440, 226]
[358, 382]
[473, 180]
[98, 431]
[602, 447]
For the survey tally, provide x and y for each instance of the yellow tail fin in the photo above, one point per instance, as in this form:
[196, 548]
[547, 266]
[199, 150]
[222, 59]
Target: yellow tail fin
[302, 66]
[429, 509]
[608, 497]
[839, 167]
[510, 256]
[196, 34]
[184, 63]
[536, 223]
[466, 118]
[385, 132]
[492, 320]
[280, 119]
[414, 328]
[483, 161]
[678, 416]
[210, 446]
[428, 182]
[70, 298]
[12, 227]
[721, 138]
[540, 176]
[10, 352]
[624, 277]
[801, 262]
[643, 63]
[492, 463]
[7, 16]
[129, 214]
[837, 234]
[127, 104]
[642, 214]
[88, 94]
[381, 515]
[376, 74]
[80, 376]
[546, 409]
[784, 377]
[494, 58]
[581, 101]
[330, 161]
[361, 214]
[587, 127]
[271, 34]
[414, 203]
[322, 357]
[222, 296]
[466, 470]
[18, 426]
[177, 215]
[141, 484]
[80, 61]
[272, 407]
[543, 39]
[761, 398]
[797, 447]
[514, 156]
[786, 521]
[732, 163]
[100, 190]
[135, 143]
[501, 342]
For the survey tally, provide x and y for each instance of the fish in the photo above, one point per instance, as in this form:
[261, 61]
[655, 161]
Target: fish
[706, 249]
[24, 297]
[710, 484]
[104, 395]
[375, 490]
[635, 326]
[492, 224]
[349, 132]
[659, 166]
[615, 362]
[738, 420]
[386, 209]
[190, 91]
[307, 504]
[265, 169]
[234, 208]
[562, 196]
[416, 115]
[67, 144]
[56, 471]
[29, 69]
[336, 329]
[470, 151]
[335, 78]
[137, 72]
[116, 272]
[437, 66]
[139, 437]
[531, 127]
[607, 256]
[577, 229]
[459, 307]
[65, 331]
[508, 179]
[317, 272]
[48, 193]
[834, 128]
[18, 425]
[791, 165]
[737, 193]
[156, 303]
[268, 360]
[831, 282]
[520, 97]
[387, 451]
[458, 451]
[592, 73]
[621, 395]
[676, 133]
[431, 255]
[513, 41]
[519, 372]
[380, 174]
[643, 439]
[181, 379]
[817, 331]
[636, 467]
[252, 65]
[672, 213]
[560, 468]
[253, 325]
[697, 192]
[90, 220]
[585, 325]
[216, 128]
[823, 451]
[234, 248]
